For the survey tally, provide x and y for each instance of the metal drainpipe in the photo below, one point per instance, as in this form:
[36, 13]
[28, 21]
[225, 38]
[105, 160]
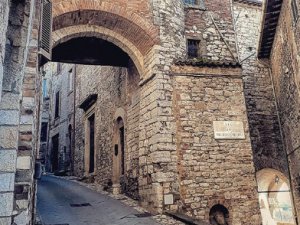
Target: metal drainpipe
[267, 65]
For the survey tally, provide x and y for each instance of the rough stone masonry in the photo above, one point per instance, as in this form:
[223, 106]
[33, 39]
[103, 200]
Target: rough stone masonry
[184, 127]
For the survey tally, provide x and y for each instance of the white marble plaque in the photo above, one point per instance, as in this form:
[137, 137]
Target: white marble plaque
[229, 130]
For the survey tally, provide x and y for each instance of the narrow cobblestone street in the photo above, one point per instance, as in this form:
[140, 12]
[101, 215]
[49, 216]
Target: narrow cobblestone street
[65, 202]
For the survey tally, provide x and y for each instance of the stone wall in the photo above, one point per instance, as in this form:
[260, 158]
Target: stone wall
[213, 26]
[212, 171]
[17, 109]
[286, 77]
[4, 12]
[117, 90]
[260, 100]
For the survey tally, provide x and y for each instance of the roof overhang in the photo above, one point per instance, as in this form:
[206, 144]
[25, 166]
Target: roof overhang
[250, 2]
[271, 13]
[88, 102]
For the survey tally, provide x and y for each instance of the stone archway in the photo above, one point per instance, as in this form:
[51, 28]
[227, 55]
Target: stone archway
[68, 33]
[275, 197]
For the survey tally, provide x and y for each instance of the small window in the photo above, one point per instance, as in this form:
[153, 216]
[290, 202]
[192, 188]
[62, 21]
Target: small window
[57, 100]
[193, 48]
[295, 11]
[195, 3]
[45, 91]
[70, 80]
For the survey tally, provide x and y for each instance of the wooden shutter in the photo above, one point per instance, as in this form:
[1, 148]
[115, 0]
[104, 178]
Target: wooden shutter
[45, 40]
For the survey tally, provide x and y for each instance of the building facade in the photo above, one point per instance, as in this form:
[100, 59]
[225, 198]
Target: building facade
[172, 108]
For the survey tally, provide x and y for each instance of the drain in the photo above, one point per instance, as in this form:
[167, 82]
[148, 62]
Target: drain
[80, 205]
[141, 215]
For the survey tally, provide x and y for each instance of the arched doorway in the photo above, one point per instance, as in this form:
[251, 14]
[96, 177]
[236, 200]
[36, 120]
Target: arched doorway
[275, 198]
[219, 215]
[119, 155]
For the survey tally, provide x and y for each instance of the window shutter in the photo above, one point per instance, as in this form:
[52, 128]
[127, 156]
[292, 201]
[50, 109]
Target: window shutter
[45, 40]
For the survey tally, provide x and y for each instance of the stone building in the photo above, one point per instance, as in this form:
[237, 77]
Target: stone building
[279, 48]
[45, 114]
[173, 107]
[61, 119]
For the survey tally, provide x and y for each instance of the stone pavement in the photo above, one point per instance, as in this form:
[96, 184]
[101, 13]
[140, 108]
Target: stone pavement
[68, 202]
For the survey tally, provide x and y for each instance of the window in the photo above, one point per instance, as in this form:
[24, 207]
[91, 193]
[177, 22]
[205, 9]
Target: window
[190, 2]
[195, 3]
[57, 105]
[45, 91]
[70, 80]
[44, 131]
[193, 48]
[295, 11]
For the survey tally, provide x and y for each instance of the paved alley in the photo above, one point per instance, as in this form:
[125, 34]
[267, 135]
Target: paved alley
[65, 202]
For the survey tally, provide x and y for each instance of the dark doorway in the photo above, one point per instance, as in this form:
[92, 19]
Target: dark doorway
[92, 143]
[55, 147]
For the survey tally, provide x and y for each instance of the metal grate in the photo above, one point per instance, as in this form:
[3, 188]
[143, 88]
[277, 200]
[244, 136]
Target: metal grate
[141, 215]
[80, 205]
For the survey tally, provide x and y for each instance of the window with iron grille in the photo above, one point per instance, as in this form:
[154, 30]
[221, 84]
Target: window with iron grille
[193, 48]
[295, 10]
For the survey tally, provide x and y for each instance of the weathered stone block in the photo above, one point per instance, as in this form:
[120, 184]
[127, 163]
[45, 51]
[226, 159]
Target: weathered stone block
[10, 101]
[23, 176]
[6, 204]
[7, 182]
[24, 162]
[9, 117]
[8, 160]
[5, 221]
[8, 137]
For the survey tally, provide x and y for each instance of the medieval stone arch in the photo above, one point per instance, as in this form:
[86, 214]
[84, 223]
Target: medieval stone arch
[68, 33]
